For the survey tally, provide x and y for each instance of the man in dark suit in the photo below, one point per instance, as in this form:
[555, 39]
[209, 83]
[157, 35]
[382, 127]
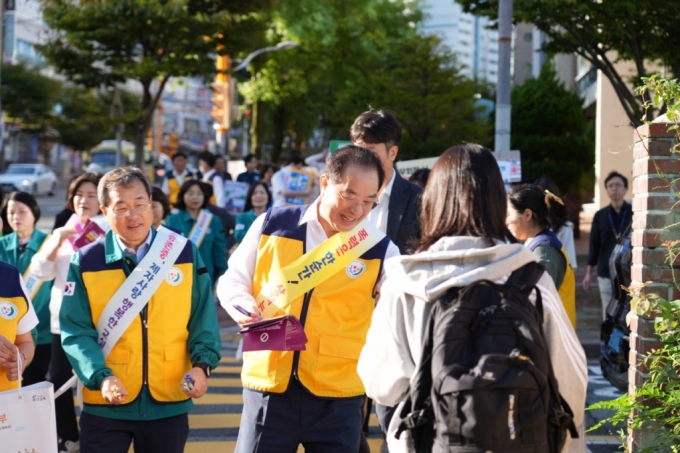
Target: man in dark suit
[398, 207]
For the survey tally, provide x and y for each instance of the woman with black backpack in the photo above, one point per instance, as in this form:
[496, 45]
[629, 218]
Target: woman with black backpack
[469, 328]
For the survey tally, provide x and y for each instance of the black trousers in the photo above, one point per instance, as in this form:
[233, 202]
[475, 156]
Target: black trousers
[107, 435]
[37, 370]
[60, 372]
[280, 422]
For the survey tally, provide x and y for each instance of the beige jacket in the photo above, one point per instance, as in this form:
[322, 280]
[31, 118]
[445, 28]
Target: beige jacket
[412, 283]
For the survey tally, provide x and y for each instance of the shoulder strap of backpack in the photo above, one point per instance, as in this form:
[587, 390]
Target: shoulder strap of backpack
[525, 279]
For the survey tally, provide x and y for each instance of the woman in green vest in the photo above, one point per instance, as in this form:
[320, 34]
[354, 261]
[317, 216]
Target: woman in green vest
[257, 201]
[205, 230]
[17, 248]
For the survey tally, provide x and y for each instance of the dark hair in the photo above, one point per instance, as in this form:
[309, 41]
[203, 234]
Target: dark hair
[616, 174]
[266, 167]
[158, 195]
[208, 158]
[557, 217]
[533, 198]
[178, 154]
[349, 155]
[251, 190]
[420, 177]
[294, 159]
[25, 198]
[188, 185]
[376, 126]
[120, 177]
[75, 184]
[464, 196]
[248, 158]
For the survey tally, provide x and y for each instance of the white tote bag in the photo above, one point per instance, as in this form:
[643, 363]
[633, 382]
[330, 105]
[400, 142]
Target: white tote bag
[27, 419]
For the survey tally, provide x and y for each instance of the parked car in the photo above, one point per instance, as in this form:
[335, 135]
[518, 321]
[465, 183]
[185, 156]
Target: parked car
[615, 333]
[31, 178]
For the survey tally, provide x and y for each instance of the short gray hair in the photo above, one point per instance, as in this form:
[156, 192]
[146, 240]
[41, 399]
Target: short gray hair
[120, 177]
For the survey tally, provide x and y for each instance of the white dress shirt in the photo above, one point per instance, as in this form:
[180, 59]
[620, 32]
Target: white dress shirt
[235, 287]
[378, 215]
[280, 183]
[141, 251]
[218, 187]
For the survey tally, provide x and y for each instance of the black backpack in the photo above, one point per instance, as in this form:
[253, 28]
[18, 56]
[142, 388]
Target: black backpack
[485, 381]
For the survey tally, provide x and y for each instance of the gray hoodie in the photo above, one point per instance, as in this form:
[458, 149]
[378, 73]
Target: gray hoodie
[394, 341]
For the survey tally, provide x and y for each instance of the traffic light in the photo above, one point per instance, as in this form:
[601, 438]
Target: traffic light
[221, 99]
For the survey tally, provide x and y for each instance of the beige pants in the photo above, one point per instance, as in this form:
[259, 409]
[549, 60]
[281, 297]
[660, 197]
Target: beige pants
[605, 285]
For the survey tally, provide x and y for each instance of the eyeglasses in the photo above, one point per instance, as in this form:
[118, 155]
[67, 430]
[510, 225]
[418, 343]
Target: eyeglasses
[364, 204]
[125, 211]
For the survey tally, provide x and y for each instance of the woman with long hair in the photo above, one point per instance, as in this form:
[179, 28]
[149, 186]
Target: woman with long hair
[258, 200]
[464, 239]
[204, 229]
[17, 248]
[529, 212]
[52, 263]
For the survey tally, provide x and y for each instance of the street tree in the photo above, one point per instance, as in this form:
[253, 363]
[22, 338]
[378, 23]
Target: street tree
[422, 83]
[85, 119]
[107, 42]
[315, 85]
[550, 128]
[603, 32]
[28, 97]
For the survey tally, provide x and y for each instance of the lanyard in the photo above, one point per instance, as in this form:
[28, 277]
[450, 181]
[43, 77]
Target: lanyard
[618, 232]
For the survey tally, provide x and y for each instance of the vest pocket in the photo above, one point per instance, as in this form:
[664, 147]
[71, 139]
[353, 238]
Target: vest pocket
[176, 355]
[118, 360]
[336, 367]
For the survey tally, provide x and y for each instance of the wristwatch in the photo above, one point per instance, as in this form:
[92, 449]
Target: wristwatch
[204, 366]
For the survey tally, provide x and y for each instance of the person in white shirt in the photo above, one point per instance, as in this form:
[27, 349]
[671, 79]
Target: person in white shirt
[280, 189]
[206, 163]
[175, 178]
[312, 398]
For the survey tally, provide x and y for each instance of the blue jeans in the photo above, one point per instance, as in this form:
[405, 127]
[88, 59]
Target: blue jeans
[279, 422]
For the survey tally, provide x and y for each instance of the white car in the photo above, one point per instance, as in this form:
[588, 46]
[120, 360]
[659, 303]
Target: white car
[31, 178]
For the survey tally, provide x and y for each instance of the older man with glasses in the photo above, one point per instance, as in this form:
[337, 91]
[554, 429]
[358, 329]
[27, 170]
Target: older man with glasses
[327, 262]
[139, 326]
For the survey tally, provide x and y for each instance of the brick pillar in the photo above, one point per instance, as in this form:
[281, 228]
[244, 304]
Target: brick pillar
[653, 199]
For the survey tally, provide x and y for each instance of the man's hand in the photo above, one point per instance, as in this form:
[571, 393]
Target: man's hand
[248, 319]
[12, 367]
[7, 350]
[586, 282]
[200, 383]
[113, 390]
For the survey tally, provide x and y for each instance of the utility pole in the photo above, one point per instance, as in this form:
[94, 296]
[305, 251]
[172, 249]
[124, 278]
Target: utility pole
[503, 105]
[2, 61]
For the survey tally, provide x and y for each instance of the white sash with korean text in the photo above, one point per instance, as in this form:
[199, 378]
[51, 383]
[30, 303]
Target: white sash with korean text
[316, 266]
[32, 282]
[138, 288]
[200, 227]
[136, 291]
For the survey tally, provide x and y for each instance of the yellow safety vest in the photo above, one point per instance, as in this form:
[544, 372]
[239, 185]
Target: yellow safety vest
[336, 316]
[567, 290]
[13, 307]
[174, 186]
[166, 336]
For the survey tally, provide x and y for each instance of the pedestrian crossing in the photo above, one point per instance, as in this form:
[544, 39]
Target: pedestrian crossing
[215, 418]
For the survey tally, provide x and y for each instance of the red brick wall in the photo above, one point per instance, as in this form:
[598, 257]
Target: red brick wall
[653, 198]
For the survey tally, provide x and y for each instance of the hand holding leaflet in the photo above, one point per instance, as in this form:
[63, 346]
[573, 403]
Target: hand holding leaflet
[284, 333]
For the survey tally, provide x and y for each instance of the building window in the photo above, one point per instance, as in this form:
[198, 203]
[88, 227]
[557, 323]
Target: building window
[191, 126]
[528, 37]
